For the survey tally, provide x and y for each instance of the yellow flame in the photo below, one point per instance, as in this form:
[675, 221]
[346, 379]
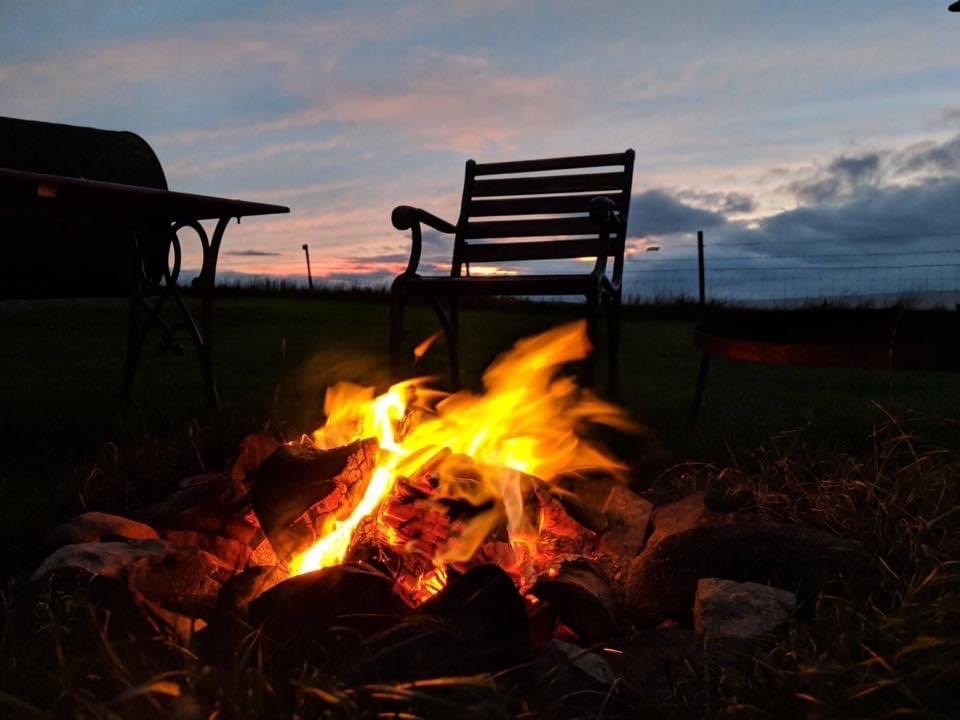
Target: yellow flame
[527, 422]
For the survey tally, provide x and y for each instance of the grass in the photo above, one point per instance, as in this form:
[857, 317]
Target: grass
[808, 445]
[70, 442]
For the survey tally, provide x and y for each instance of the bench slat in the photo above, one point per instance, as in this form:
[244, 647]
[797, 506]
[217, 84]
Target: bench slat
[543, 250]
[542, 205]
[552, 184]
[531, 228]
[562, 163]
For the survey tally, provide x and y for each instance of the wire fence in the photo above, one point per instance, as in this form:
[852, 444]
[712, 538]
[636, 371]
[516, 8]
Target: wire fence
[775, 274]
[878, 270]
[917, 285]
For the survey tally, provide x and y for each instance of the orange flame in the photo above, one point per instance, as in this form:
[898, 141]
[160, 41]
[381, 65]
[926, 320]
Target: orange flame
[421, 349]
[526, 423]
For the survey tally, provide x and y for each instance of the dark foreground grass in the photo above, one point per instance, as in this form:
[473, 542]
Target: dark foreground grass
[890, 650]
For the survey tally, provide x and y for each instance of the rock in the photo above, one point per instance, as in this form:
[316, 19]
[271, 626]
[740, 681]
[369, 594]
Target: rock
[100, 527]
[628, 515]
[684, 514]
[185, 581]
[297, 610]
[585, 512]
[240, 590]
[728, 609]
[591, 489]
[232, 553]
[662, 581]
[736, 621]
[582, 596]
[110, 559]
[591, 667]
[484, 613]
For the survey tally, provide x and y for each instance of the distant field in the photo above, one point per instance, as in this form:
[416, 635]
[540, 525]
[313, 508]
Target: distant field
[63, 426]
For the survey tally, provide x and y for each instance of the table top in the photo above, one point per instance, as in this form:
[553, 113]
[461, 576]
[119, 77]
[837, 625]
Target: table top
[22, 191]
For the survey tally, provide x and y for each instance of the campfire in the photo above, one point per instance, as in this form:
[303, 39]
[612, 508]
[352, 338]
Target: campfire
[444, 482]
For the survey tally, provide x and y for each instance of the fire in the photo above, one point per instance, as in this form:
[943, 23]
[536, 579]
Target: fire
[481, 449]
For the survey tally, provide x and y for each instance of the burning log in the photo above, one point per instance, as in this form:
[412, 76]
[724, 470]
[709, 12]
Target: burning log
[583, 598]
[299, 489]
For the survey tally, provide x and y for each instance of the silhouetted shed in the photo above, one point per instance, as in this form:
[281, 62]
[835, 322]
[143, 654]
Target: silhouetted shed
[53, 256]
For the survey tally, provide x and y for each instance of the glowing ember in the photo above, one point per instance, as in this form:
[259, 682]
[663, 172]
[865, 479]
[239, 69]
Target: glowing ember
[483, 449]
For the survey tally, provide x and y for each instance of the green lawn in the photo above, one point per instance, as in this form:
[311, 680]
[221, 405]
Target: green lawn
[69, 443]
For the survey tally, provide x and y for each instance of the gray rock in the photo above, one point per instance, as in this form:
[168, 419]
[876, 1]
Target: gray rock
[728, 609]
[628, 515]
[100, 527]
[186, 581]
[109, 559]
[592, 667]
[684, 514]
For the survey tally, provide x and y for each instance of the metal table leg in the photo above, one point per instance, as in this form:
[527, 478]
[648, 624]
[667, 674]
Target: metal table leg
[163, 286]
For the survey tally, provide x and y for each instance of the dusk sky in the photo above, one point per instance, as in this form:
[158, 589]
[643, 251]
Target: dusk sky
[772, 125]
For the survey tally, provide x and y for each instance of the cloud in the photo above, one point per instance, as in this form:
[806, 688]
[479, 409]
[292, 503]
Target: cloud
[844, 175]
[941, 158]
[720, 202]
[655, 212]
[251, 253]
[882, 219]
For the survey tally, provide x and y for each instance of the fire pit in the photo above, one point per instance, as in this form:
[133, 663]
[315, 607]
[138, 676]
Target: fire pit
[426, 533]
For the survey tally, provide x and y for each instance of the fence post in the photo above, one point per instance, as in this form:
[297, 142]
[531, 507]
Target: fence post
[700, 270]
[704, 357]
[306, 251]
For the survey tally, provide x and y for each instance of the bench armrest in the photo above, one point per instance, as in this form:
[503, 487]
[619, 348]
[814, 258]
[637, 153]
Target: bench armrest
[405, 217]
[604, 210]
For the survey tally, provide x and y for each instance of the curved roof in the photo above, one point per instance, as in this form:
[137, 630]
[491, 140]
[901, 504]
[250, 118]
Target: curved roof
[73, 151]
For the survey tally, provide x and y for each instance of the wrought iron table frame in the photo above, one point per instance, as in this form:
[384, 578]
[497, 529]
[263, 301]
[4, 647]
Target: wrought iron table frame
[154, 218]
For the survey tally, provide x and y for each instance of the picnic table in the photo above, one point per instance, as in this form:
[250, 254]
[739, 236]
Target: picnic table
[152, 217]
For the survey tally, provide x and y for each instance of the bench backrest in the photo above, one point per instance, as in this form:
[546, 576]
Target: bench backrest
[62, 256]
[538, 210]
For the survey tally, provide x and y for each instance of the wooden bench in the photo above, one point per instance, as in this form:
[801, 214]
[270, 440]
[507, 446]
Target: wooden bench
[525, 211]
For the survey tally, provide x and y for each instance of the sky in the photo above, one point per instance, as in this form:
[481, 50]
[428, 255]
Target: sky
[786, 130]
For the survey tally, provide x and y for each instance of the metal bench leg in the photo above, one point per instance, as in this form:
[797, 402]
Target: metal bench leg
[135, 339]
[701, 387]
[613, 344]
[590, 366]
[453, 342]
[397, 304]
[450, 336]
